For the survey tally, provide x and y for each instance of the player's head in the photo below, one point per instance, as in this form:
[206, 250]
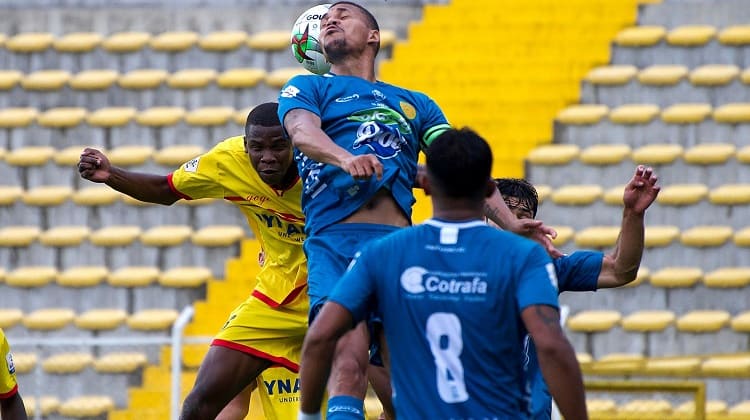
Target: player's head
[348, 29]
[459, 162]
[520, 196]
[270, 152]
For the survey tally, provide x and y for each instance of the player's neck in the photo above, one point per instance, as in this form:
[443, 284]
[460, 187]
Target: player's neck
[457, 210]
[356, 67]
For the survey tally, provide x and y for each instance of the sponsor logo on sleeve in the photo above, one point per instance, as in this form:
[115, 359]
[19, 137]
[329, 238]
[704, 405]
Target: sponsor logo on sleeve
[9, 362]
[192, 165]
[290, 91]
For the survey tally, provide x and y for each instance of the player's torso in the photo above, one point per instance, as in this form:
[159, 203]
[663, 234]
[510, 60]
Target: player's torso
[7, 368]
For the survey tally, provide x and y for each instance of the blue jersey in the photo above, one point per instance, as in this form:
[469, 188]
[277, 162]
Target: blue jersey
[361, 117]
[577, 272]
[450, 296]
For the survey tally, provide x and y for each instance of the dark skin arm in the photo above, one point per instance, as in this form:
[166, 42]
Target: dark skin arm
[557, 360]
[12, 408]
[94, 166]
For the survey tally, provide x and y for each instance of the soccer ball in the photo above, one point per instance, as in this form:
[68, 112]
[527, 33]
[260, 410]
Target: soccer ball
[306, 40]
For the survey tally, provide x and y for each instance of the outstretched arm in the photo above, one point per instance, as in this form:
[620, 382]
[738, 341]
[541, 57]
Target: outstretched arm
[304, 128]
[94, 166]
[621, 266]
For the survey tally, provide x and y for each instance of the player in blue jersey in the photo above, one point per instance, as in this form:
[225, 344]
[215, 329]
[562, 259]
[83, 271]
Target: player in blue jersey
[457, 298]
[357, 140]
[586, 270]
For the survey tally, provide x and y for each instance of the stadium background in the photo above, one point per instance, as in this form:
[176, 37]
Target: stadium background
[572, 94]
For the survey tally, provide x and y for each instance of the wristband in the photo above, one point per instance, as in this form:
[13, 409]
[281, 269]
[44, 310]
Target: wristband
[305, 416]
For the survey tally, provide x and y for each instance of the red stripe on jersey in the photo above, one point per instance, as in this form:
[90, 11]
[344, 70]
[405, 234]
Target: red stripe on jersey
[277, 361]
[13, 392]
[272, 303]
[175, 190]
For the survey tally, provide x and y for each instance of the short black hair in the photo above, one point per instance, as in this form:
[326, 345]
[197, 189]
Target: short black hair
[372, 23]
[521, 190]
[459, 162]
[265, 114]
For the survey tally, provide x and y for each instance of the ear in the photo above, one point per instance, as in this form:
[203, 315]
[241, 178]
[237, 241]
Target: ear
[424, 183]
[490, 188]
[374, 36]
[244, 142]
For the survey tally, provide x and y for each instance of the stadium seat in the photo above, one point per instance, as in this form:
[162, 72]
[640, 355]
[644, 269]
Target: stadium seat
[613, 196]
[95, 196]
[29, 156]
[742, 237]
[640, 408]
[700, 321]
[735, 35]
[714, 75]
[62, 236]
[713, 408]
[543, 191]
[191, 78]
[677, 366]
[82, 276]
[29, 42]
[682, 194]
[691, 35]
[634, 114]
[77, 42]
[25, 362]
[126, 42]
[30, 276]
[594, 321]
[209, 116]
[732, 113]
[240, 116]
[68, 156]
[9, 194]
[100, 319]
[94, 79]
[176, 155]
[709, 153]
[743, 155]
[182, 277]
[727, 366]
[166, 235]
[739, 323]
[130, 155]
[611, 75]
[278, 77]
[648, 320]
[47, 196]
[728, 277]
[598, 408]
[64, 363]
[174, 41]
[222, 41]
[582, 114]
[152, 319]
[112, 236]
[269, 40]
[387, 38]
[662, 75]
[640, 36]
[564, 235]
[142, 79]
[706, 236]
[111, 116]
[685, 113]
[218, 235]
[605, 154]
[657, 154]
[120, 362]
[160, 116]
[553, 154]
[730, 195]
[48, 404]
[643, 275]
[674, 277]
[46, 80]
[740, 411]
[617, 364]
[133, 276]
[10, 79]
[18, 236]
[597, 237]
[660, 236]
[577, 195]
[87, 406]
[17, 117]
[64, 117]
[10, 317]
[48, 319]
[241, 78]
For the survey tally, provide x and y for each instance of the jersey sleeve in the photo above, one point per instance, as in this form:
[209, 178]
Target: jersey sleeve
[8, 385]
[356, 290]
[433, 121]
[579, 271]
[198, 177]
[538, 281]
[299, 93]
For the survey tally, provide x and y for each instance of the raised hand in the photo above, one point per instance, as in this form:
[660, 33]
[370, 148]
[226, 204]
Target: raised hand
[642, 190]
[94, 166]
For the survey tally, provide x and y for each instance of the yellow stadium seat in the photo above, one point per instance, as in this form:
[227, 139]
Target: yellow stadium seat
[29, 42]
[740, 322]
[703, 321]
[152, 319]
[160, 116]
[3, 38]
[597, 237]
[18, 236]
[191, 78]
[727, 366]
[240, 78]
[133, 276]
[671, 277]
[682, 194]
[662, 75]
[611, 75]
[77, 42]
[640, 36]
[46, 80]
[594, 321]
[95, 195]
[740, 411]
[643, 275]
[730, 195]
[648, 320]
[67, 363]
[48, 319]
[743, 155]
[68, 156]
[582, 114]
[87, 406]
[553, 154]
[218, 235]
[240, 116]
[387, 38]
[634, 114]
[714, 74]
[25, 362]
[735, 35]
[269, 40]
[10, 318]
[111, 117]
[564, 235]
[706, 236]
[174, 41]
[279, 77]
[17, 117]
[184, 277]
[48, 404]
[709, 153]
[120, 362]
[130, 155]
[46, 196]
[142, 79]
[617, 363]
[742, 237]
[543, 191]
[82, 276]
[100, 319]
[60, 236]
[10, 79]
[126, 42]
[605, 154]
[176, 155]
[30, 276]
[677, 366]
[64, 117]
[94, 79]
[29, 156]
[577, 195]
[600, 407]
[639, 408]
[166, 235]
[223, 40]
[732, 113]
[209, 116]
[659, 236]
[691, 35]
[713, 408]
[115, 235]
[9, 194]
[686, 113]
[733, 277]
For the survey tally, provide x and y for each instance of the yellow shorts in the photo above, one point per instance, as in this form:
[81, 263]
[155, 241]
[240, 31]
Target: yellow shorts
[273, 334]
[278, 395]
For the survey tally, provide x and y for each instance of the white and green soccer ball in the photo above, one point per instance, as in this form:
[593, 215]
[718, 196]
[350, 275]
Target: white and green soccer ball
[306, 45]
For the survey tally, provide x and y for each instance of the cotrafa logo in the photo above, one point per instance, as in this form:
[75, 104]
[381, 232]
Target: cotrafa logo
[416, 280]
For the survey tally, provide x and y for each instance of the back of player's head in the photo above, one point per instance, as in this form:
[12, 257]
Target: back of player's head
[372, 23]
[459, 163]
[520, 190]
[265, 115]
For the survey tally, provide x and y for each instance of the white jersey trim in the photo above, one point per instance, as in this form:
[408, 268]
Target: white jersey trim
[456, 225]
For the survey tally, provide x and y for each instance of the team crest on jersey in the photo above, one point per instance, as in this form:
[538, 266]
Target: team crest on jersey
[408, 109]
[381, 130]
[9, 362]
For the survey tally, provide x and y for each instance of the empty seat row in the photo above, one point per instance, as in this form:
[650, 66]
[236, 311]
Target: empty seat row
[629, 114]
[683, 277]
[84, 406]
[683, 36]
[90, 276]
[667, 75]
[127, 155]
[73, 362]
[50, 319]
[698, 321]
[608, 409]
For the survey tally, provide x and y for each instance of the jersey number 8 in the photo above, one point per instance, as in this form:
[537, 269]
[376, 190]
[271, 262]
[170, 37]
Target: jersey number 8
[443, 332]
